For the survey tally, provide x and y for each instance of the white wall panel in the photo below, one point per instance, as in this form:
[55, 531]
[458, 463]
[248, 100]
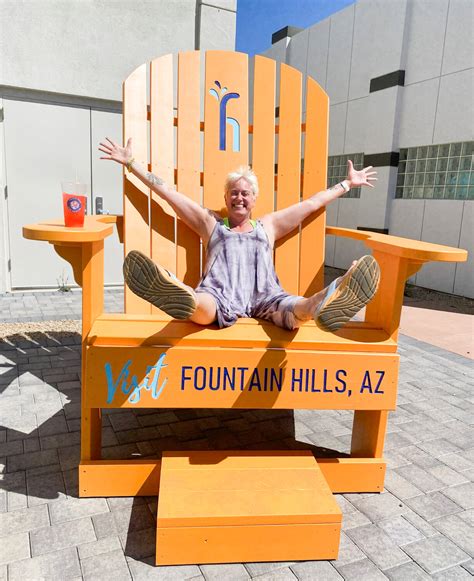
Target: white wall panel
[277, 51]
[318, 45]
[357, 126]
[339, 58]
[347, 249]
[337, 127]
[297, 51]
[418, 113]
[297, 56]
[373, 202]
[441, 225]
[387, 33]
[455, 111]
[406, 220]
[464, 279]
[4, 252]
[331, 220]
[107, 182]
[426, 28]
[458, 46]
[362, 50]
[45, 144]
[217, 29]
[381, 112]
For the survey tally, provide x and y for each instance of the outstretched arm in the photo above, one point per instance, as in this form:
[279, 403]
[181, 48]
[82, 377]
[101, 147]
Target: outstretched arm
[278, 224]
[192, 214]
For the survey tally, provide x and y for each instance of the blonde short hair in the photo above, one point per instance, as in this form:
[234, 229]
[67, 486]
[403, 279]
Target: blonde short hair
[242, 172]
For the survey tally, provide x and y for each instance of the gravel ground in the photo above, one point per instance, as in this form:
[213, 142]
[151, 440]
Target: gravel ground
[15, 331]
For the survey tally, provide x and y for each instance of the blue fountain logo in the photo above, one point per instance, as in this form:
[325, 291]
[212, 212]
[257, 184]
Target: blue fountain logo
[222, 98]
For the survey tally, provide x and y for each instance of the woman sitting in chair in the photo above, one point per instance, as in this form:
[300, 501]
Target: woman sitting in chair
[240, 279]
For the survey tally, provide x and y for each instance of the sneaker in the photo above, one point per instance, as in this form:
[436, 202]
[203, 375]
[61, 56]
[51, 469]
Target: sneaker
[158, 286]
[346, 296]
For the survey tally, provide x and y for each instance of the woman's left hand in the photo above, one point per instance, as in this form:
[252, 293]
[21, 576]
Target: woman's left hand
[362, 177]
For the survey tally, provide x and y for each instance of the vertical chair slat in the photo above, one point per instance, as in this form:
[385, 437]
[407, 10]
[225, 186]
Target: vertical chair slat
[189, 161]
[289, 172]
[163, 247]
[314, 180]
[225, 121]
[136, 194]
[263, 144]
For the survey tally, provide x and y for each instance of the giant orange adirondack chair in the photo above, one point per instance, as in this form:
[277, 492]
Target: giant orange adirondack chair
[215, 506]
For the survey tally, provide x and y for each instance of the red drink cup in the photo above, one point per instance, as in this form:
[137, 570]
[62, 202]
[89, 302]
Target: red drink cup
[74, 204]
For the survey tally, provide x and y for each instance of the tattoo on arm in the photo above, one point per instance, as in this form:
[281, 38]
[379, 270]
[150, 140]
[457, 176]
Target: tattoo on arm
[335, 186]
[152, 178]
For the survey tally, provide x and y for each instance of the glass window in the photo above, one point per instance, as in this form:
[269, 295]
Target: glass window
[431, 165]
[443, 150]
[420, 166]
[463, 178]
[442, 164]
[453, 163]
[465, 162]
[429, 179]
[455, 149]
[436, 171]
[419, 179]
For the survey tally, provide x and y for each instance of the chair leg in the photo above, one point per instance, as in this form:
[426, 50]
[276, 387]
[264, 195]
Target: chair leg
[91, 434]
[368, 433]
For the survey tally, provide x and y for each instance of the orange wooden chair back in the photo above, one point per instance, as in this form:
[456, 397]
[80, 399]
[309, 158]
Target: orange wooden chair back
[197, 155]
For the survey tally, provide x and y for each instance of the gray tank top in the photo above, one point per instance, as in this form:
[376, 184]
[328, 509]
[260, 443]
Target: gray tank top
[239, 270]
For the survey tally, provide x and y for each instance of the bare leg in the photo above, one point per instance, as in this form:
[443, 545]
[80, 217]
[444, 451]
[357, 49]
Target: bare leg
[155, 284]
[304, 308]
[206, 309]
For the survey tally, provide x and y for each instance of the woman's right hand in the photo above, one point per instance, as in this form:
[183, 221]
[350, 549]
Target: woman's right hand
[115, 152]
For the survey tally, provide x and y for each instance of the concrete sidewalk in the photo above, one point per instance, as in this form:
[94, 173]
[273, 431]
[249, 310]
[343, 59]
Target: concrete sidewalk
[420, 527]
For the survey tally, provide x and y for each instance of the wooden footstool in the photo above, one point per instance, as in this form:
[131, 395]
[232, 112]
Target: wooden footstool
[237, 506]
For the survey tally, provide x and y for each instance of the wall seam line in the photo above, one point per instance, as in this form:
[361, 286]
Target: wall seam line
[218, 7]
[349, 82]
[438, 77]
[440, 69]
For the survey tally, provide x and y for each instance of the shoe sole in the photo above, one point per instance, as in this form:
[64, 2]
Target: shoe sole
[152, 283]
[351, 295]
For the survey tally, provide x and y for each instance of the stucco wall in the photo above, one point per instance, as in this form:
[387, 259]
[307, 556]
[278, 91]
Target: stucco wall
[84, 47]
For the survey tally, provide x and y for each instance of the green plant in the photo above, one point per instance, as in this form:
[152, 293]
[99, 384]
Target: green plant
[63, 283]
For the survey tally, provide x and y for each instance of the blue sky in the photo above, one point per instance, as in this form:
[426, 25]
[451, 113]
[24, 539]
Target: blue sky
[257, 20]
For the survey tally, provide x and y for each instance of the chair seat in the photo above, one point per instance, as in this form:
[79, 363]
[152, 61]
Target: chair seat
[136, 330]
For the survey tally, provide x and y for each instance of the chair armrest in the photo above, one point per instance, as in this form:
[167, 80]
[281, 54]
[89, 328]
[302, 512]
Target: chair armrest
[55, 231]
[113, 219]
[83, 248]
[415, 250]
[399, 258]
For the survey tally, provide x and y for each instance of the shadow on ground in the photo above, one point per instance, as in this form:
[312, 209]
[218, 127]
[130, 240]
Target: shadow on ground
[40, 430]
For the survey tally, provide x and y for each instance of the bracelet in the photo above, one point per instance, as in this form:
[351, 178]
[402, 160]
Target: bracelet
[128, 165]
[345, 186]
